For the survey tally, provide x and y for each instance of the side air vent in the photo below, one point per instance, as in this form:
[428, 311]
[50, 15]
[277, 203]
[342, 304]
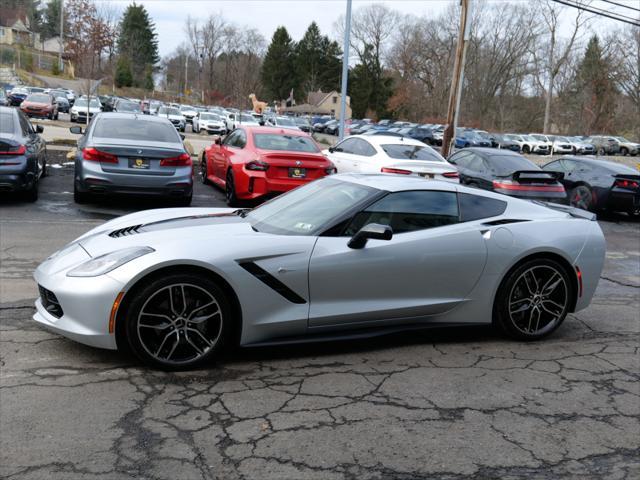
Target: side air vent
[123, 232]
[272, 282]
[505, 221]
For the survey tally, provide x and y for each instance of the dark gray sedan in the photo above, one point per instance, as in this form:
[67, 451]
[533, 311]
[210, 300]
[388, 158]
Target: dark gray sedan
[124, 153]
[23, 154]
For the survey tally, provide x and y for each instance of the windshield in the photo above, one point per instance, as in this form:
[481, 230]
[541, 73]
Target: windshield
[209, 116]
[507, 164]
[301, 121]
[186, 108]
[128, 107]
[538, 137]
[310, 209]
[39, 98]
[562, 139]
[82, 102]
[291, 143]
[168, 111]
[285, 121]
[622, 139]
[247, 118]
[136, 129]
[412, 152]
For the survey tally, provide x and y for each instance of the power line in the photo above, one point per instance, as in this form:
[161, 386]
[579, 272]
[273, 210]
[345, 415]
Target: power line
[602, 13]
[621, 5]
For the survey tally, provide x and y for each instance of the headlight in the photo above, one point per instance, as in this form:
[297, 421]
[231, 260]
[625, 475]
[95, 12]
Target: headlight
[110, 261]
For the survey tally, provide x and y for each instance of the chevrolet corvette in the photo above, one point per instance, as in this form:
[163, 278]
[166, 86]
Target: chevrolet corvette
[346, 256]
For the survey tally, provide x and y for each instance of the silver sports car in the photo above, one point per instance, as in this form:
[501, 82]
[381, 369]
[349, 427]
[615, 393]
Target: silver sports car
[349, 255]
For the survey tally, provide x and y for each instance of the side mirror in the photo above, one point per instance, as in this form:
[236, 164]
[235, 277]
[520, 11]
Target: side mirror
[76, 130]
[332, 149]
[371, 230]
[39, 129]
[218, 141]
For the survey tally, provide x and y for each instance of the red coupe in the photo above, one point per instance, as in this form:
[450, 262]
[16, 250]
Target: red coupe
[254, 163]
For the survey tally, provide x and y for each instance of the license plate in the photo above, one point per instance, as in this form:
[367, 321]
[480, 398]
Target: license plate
[426, 175]
[139, 163]
[297, 172]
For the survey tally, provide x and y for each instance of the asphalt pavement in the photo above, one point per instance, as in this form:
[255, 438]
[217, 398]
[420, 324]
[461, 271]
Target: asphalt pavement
[449, 403]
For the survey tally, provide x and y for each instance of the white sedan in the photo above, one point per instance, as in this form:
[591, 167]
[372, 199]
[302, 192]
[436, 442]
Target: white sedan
[210, 123]
[387, 154]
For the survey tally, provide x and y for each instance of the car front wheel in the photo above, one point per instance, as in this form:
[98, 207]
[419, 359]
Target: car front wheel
[178, 321]
[533, 300]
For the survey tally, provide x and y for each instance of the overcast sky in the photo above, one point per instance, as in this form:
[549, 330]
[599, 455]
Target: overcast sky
[296, 15]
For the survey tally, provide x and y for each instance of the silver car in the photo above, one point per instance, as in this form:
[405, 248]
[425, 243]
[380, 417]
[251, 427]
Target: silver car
[137, 154]
[347, 255]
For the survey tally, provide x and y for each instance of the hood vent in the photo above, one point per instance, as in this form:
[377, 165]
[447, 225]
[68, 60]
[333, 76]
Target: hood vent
[123, 232]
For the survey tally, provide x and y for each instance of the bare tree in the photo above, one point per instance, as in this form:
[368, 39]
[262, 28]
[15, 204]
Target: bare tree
[553, 51]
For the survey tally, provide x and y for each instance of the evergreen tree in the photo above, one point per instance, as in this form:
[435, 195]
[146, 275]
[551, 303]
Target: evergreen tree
[594, 90]
[123, 76]
[278, 69]
[369, 88]
[30, 7]
[318, 62]
[138, 43]
[51, 20]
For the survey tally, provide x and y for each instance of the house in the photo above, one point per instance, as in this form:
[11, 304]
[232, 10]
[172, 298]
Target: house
[52, 45]
[15, 29]
[329, 102]
[319, 103]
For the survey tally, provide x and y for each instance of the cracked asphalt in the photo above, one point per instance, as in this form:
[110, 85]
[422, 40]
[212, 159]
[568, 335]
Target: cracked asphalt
[449, 403]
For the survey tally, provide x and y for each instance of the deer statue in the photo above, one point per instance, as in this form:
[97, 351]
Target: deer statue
[258, 106]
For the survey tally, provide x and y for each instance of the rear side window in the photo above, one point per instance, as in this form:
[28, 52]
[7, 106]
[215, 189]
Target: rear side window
[25, 126]
[474, 207]
[507, 164]
[7, 122]
[409, 211]
[412, 152]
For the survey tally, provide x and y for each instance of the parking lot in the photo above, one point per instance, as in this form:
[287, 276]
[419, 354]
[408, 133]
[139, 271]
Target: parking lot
[449, 402]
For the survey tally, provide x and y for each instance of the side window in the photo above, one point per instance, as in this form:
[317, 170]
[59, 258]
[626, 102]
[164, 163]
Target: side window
[474, 207]
[475, 163]
[25, 126]
[362, 147]
[241, 140]
[461, 159]
[409, 211]
[348, 146]
[231, 138]
[557, 166]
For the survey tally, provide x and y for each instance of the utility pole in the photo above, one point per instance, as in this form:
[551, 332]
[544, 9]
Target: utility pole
[458, 77]
[345, 69]
[186, 68]
[60, 63]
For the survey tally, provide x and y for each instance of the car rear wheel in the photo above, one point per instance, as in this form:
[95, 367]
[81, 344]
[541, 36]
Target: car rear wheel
[203, 170]
[533, 299]
[31, 195]
[526, 149]
[178, 321]
[230, 190]
[581, 197]
[80, 197]
[624, 151]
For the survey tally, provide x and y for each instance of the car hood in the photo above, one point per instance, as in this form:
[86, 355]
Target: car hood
[155, 228]
[83, 108]
[35, 104]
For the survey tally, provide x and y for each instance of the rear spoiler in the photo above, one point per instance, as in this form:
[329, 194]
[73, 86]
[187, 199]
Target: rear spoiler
[535, 175]
[627, 176]
[574, 212]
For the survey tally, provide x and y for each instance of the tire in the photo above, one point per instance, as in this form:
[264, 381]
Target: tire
[57, 115]
[624, 151]
[601, 152]
[582, 197]
[230, 191]
[45, 170]
[80, 197]
[190, 340]
[203, 170]
[526, 149]
[537, 291]
[183, 201]
[31, 195]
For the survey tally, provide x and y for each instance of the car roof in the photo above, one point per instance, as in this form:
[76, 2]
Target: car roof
[384, 139]
[605, 164]
[265, 129]
[128, 115]
[395, 183]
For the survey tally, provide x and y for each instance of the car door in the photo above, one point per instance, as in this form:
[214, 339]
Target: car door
[429, 266]
[365, 158]
[219, 154]
[341, 155]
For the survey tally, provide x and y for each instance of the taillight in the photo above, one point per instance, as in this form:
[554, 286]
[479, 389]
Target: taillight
[511, 185]
[19, 150]
[183, 160]
[451, 175]
[579, 275]
[257, 165]
[94, 155]
[395, 170]
[626, 184]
